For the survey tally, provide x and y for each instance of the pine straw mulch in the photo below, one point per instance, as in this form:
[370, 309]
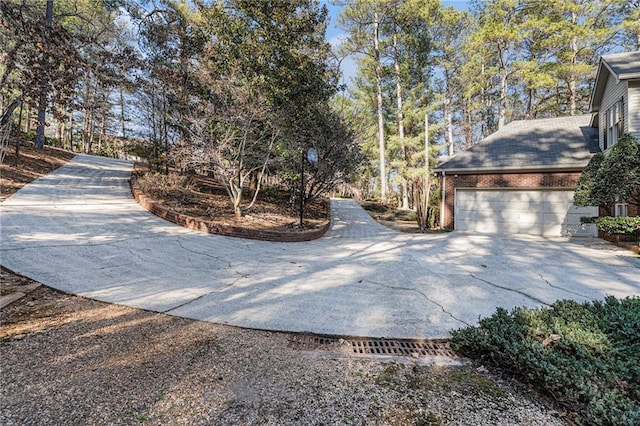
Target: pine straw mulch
[206, 198]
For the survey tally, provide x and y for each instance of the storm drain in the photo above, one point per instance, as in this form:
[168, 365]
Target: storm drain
[305, 342]
[403, 348]
[373, 347]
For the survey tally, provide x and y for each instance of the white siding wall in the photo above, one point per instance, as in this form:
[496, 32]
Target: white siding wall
[632, 125]
[613, 91]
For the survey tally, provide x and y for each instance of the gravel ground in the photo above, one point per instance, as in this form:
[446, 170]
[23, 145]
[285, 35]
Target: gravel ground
[70, 360]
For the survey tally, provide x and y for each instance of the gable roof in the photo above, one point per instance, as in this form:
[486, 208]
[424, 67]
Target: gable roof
[563, 143]
[623, 66]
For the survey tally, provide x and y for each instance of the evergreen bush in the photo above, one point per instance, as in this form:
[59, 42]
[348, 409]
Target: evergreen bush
[618, 225]
[586, 356]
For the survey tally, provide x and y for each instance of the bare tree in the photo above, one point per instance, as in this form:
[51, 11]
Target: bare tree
[230, 133]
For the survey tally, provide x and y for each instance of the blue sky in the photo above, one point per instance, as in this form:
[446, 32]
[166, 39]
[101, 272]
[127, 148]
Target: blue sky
[334, 12]
[334, 33]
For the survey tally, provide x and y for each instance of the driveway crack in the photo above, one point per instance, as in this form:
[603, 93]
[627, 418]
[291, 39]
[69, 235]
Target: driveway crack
[522, 293]
[392, 287]
[218, 258]
[239, 276]
[560, 288]
[201, 253]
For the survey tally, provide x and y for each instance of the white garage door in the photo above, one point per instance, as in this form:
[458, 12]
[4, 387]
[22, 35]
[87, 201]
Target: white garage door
[537, 212]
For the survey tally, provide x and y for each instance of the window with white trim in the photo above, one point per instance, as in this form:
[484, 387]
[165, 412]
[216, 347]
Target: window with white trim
[613, 124]
[621, 209]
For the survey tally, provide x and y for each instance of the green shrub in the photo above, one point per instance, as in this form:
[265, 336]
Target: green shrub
[618, 225]
[588, 219]
[584, 355]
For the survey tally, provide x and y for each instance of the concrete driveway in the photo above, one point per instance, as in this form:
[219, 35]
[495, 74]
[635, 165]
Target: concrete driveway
[79, 230]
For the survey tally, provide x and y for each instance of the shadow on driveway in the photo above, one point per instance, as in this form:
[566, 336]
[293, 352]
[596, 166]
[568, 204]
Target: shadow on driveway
[79, 230]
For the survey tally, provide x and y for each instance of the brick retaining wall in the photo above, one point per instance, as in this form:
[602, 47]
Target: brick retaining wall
[223, 229]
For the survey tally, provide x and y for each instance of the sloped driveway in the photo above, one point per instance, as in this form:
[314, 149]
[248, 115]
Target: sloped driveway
[79, 230]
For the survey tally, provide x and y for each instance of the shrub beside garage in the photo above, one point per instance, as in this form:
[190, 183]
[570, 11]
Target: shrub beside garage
[622, 230]
[619, 225]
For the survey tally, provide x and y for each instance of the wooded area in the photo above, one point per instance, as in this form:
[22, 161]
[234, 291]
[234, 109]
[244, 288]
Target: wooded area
[471, 71]
[242, 88]
[236, 89]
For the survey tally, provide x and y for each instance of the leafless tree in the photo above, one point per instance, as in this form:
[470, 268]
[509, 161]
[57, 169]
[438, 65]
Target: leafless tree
[229, 133]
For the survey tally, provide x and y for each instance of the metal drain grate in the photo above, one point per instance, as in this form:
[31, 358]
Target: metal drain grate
[305, 342]
[369, 347]
[410, 348]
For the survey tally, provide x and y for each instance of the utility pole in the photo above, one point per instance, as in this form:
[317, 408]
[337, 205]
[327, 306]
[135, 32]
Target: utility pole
[44, 95]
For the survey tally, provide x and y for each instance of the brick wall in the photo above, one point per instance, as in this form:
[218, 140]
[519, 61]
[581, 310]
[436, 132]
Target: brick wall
[632, 210]
[567, 180]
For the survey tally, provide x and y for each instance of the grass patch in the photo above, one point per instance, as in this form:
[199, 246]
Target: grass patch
[585, 356]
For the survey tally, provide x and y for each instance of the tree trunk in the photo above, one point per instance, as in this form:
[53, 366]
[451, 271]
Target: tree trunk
[234, 189]
[448, 118]
[448, 115]
[19, 135]
[71, 124]
[378, 71]
[502, 106]
[42, 102]
[122, 118]
[62, 130]
[400, 117]
[27, 121]
[237, 211]
[468, 125]
[527, 113]
[572, 76]
[103, 129]
[87, 133]
[42, 106]
[91, 134]
[423, 194]
[154, 128]
[165, 134]
[486, 104]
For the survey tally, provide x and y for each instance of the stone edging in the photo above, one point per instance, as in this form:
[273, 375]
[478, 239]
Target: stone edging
[220, 228]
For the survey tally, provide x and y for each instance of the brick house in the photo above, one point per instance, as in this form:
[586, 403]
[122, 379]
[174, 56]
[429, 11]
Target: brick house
[521, 179]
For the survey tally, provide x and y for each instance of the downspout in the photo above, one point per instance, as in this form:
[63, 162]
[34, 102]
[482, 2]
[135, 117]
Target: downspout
[443, 208]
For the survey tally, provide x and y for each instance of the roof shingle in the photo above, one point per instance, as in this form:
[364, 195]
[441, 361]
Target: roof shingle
[550, 143]
[625, 66]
